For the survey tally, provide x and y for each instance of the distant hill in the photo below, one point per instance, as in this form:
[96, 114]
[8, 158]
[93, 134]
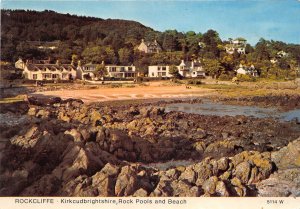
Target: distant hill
[49, 26]
[18, 26]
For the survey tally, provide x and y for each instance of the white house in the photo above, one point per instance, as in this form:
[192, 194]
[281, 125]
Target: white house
[238, 45]
[121, 71]
[281, 54]
[117, 71]
[38, 71]
[185, 69]
[191, 69]
[86, 71]
[247, 70]
[159, 71]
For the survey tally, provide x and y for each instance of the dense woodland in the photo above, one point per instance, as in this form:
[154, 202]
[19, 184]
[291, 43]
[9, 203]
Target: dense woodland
[115, 41]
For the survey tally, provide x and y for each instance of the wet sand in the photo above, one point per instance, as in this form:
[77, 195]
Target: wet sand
[126, 93]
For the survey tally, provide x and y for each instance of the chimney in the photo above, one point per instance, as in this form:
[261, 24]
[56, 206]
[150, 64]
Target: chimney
[57, 62]
[142, 40]
[192, 64]
[102, 63]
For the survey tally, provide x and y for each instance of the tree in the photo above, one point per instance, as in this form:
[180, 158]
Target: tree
[262, 51]
[125, 56]
[211, 40]
[74, 59]
[213, 67]
[173, 70]
[100, 71]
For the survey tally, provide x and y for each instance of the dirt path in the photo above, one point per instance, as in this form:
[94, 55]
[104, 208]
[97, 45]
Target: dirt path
[112, 94]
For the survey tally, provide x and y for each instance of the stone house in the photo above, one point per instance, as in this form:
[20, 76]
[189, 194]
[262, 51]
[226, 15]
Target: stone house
[149, 47]
[39, 70]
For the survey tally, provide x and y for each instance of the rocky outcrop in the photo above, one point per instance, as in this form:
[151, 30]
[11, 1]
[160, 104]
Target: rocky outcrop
[20, 107]
[286, 181]
[66, 148]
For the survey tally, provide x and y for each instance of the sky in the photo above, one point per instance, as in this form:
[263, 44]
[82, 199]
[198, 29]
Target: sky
[252, 19]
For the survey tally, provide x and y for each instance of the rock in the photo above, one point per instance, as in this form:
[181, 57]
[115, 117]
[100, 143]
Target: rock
[289, 156]
[45, 186]
[140, 193]
[284, 183]
[204, 171]
[223, 164]
[199, 146]
[189, 175]
[221, 189]
[32, 111]
[242, 172]
[75, 134]
[127, 182]
[96, 118]
[145, 112]
[105, 180]
[42, 114]
[63, 117]
[172, 173]
[43, 100]
[30, 138]
[78, 161]
[120, 140]
[184, 189]
[209, 185]
[20, 107]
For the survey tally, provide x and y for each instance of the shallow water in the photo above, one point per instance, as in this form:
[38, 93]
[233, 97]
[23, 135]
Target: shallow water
[218, 109]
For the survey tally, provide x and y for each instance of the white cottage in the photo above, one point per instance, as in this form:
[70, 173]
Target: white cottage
[243, 70]
[34, 71]
[238, 45]
[185, 69]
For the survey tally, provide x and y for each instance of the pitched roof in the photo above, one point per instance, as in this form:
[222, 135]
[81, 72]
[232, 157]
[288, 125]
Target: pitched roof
[51, 67]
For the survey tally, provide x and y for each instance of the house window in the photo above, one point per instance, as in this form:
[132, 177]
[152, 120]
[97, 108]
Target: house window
[158, 68]
[153, 74]
[164, 73]
[113, 69]
[34, 76]
[129, 68]
[122, 69]
[164, 68]
[47, 75]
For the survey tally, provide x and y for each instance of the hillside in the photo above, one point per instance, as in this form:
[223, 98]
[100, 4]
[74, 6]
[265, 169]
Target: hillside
[48, 34]
[19, 26]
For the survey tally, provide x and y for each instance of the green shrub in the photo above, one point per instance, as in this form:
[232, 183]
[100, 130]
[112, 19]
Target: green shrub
[248, 78]
[194, 82]
[225, 77]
